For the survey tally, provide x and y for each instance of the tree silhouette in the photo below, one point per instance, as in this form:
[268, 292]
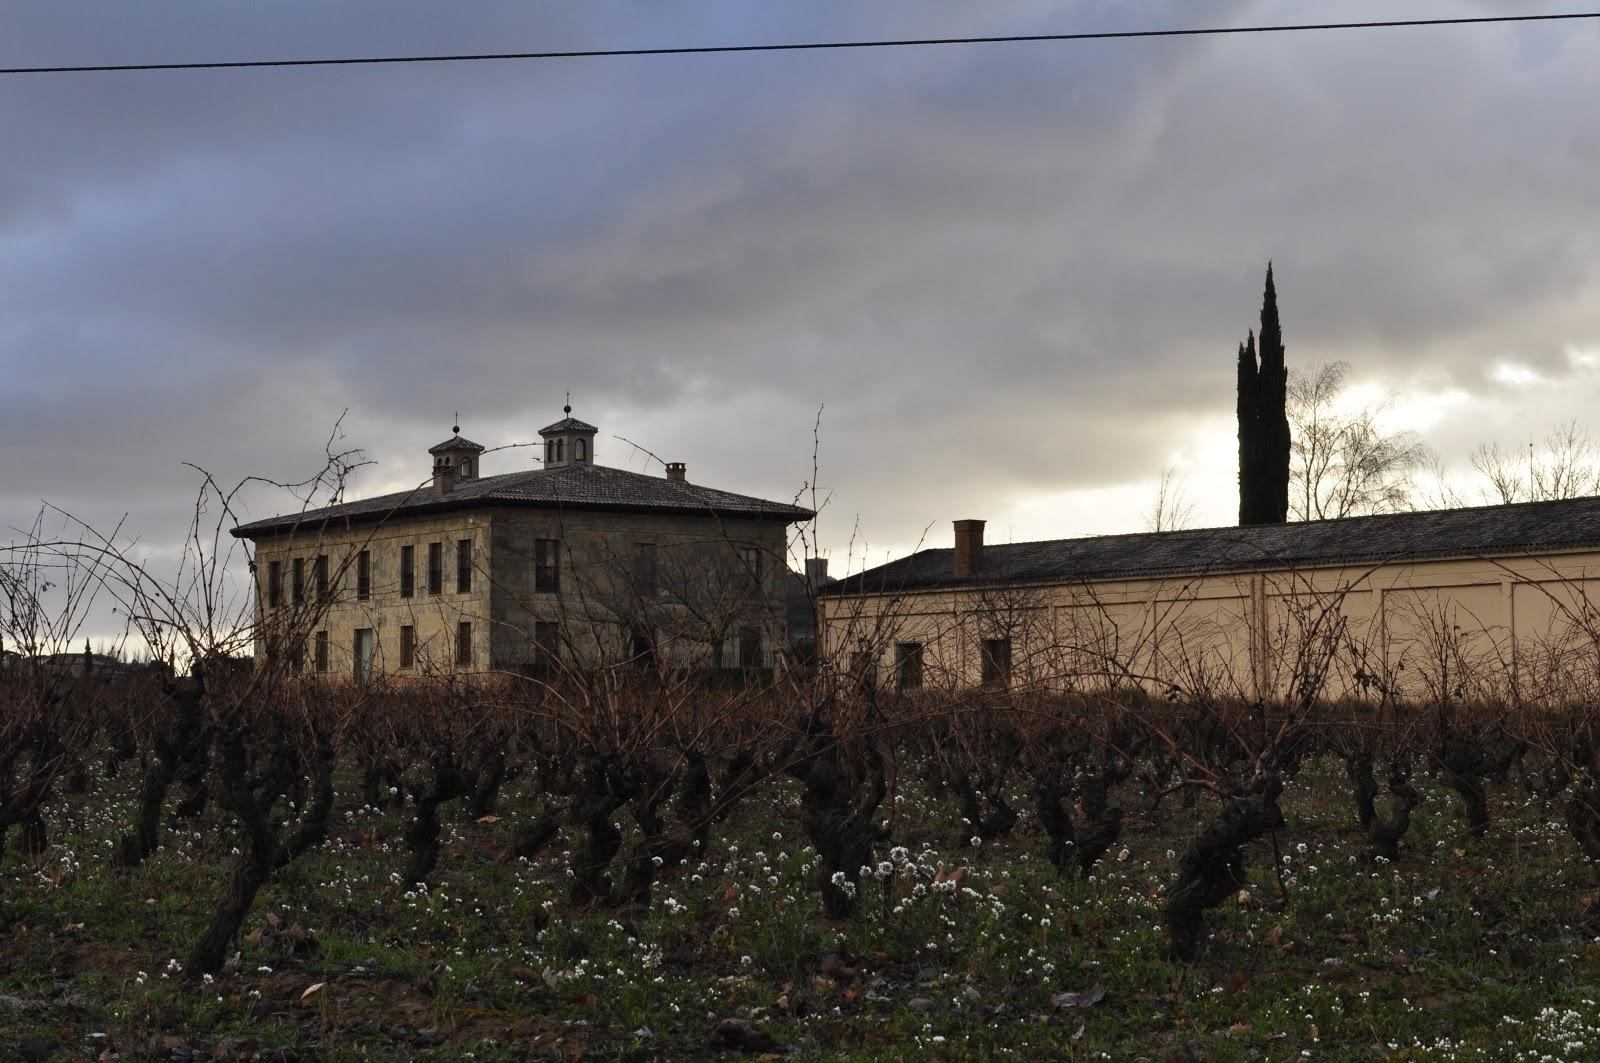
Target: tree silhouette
[1264, 420]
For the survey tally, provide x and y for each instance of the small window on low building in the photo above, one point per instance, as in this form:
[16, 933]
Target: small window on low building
[321, 644]
[464, 644]
[996, 662]
[908, 665]
[408, 571]
[364, 575]
[299, 587]
[322, 577]
[274, 584]
[408, 646]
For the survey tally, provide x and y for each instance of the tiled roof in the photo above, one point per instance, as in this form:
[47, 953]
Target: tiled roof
[579, 486]
[568, 424]
[1521, 528]
[455, 443]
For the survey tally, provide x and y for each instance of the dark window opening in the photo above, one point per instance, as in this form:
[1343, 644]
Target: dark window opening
[299, 580]
[644, 570]
[322, 651]
[547, 565]
[436, 568]
[322, 577]
[641, 649]
[408, 646]
[463, 566]
[274, 584]
[997, 661]
[908, 665]
[364, 575]
[464, 644]
[408, 571]
[750, 559]
[546, 646]
[749, 647]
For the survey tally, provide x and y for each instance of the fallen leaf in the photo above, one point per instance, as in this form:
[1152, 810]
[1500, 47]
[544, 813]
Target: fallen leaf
[491, 818]
[1239, 1029]
[312, 990]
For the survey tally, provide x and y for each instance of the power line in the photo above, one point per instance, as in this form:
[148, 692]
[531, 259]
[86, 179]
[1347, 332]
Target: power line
[813, 46]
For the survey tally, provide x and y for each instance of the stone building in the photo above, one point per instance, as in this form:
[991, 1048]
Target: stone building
[573, 564]
[1491, 601]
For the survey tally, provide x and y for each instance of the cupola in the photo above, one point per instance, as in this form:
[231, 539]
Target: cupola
[568, 442]
[454, 460]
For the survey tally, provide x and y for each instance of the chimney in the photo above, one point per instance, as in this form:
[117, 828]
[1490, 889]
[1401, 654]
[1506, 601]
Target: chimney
[816, 572]
[444, 477]
[969, 548]
[677, 471]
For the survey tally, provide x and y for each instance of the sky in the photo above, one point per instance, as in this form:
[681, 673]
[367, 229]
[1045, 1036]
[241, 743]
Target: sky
[1009, 278]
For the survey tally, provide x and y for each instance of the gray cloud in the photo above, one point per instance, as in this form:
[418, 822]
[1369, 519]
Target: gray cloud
[1008, 272]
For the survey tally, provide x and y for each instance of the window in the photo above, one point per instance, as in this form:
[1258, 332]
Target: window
[408, 571]
[408, 646]
[466, 469]
[561, 451]
[549, 452]
[322, 651]
[864, 667]
[749, 647]
[908, 665]
[364, 575]
[464, 644]
[997, 661]
[546, 646]
[274, 584]
[644, 569]
[299, 580]
[297, 656]
[641, 648]
[750, 560]
[463, 566]
[547, 565]
[364, 644]
[580, 450]
[436, 568]
[322, 577]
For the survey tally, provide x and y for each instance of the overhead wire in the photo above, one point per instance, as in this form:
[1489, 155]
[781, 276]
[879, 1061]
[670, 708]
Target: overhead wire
[809, 46]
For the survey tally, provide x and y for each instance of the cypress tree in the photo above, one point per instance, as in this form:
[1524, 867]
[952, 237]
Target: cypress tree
[1264, 420]
[1249, 430]
[1274, 382]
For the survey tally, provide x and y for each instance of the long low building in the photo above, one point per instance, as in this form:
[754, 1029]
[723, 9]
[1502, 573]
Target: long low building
[1475, 602]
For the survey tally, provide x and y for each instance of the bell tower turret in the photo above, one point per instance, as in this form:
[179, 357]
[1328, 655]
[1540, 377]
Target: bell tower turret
[568, 442]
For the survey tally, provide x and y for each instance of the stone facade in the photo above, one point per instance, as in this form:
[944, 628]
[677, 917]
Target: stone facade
[502, 574]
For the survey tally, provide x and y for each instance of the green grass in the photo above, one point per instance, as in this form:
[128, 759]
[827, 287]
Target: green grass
[1464, 949]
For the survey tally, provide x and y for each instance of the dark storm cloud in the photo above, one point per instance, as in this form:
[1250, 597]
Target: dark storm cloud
[1007, 271]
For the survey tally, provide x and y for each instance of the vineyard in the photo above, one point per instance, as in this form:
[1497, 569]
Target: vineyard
[228, 867]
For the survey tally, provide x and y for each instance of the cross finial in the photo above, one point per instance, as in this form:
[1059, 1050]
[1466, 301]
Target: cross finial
[567, 409]
[456, 428]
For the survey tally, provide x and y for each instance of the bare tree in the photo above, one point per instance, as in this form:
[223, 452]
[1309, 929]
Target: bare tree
[1567, 466]
[1346, 464]
[1171, 510]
